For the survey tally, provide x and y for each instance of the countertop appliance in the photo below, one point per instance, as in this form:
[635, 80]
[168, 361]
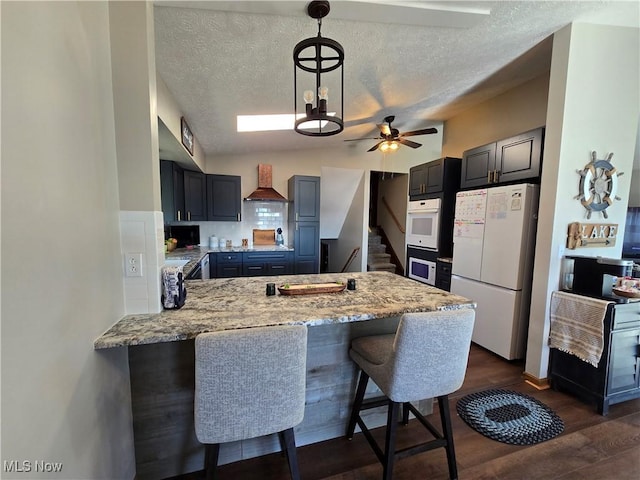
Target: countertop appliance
[595, 276]
[493, 250]
[185, 234]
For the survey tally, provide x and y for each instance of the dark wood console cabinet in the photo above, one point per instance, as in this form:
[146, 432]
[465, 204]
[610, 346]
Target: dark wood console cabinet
[617, 377]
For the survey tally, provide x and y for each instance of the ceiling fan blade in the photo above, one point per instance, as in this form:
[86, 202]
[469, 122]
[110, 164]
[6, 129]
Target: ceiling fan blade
[409, 143]
[358, 139]
[424, 131]
[375, 147]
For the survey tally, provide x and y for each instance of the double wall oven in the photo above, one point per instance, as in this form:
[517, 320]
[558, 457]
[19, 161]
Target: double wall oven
[423, 227]
[430, 214]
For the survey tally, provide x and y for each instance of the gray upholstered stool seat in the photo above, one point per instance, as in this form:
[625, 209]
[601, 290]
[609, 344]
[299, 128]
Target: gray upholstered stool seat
[249, 383]
[426, 358]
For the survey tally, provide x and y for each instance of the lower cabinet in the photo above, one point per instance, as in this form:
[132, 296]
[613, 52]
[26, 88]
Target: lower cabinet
[228, 265]
[307, 247]
[617, 377]
[443, 275]
[266, 263]
[252, 264]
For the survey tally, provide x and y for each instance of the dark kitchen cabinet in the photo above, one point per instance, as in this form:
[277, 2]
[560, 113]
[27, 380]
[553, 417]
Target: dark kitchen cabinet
[172, 191]
[304, 222]
[307, 247]
[443, 274]
[511, 160]
[617, 376]
[434, 177]
[478, 165]
[224, 198]
[251, 264]
[304, 198]
[195, 196]
[228, 265]
[266, 263]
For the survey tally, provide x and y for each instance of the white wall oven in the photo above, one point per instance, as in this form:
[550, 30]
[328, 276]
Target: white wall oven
[421, 265]
[423, 220]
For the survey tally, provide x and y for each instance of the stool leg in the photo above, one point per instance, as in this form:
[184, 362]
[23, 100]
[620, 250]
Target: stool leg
[357, 404]
[211, 451]
[447, 433]
[290, 443]
[405, 413]
[390, 440]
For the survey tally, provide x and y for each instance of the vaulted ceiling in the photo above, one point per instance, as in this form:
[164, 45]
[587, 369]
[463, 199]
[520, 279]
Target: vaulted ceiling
[420, 61]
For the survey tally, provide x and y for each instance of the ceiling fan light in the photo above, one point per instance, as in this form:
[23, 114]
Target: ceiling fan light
[393, 146]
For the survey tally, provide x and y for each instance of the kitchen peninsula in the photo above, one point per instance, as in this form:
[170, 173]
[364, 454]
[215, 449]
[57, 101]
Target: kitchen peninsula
[161, 354]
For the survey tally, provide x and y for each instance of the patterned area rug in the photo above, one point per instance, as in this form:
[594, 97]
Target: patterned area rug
[509, 417]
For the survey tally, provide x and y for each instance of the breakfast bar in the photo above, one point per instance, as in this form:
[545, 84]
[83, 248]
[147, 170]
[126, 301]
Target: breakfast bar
[161, 355]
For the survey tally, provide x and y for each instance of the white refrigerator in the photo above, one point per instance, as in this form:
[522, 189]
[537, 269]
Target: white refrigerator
[493, 250]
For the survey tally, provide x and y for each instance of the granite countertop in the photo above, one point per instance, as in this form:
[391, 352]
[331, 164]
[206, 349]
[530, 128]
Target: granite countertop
[231, 303]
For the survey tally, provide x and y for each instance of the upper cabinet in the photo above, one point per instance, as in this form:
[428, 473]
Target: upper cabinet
[224, 198]
[172, 191]
[304, 198]
[514, 159]
[434, 177]
[196, 197]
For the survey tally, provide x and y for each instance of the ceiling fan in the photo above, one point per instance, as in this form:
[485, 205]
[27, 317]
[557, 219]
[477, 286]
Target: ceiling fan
[390, 138]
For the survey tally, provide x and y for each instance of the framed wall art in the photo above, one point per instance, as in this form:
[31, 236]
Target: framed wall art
[187, 136]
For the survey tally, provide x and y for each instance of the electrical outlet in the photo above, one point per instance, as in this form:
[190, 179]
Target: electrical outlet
[133, 264]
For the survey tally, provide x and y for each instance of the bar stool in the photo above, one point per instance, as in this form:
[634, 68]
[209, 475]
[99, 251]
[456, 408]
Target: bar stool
[249, 383]
[425, 358]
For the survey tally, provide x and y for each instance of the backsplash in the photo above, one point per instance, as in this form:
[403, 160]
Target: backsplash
[255, 214]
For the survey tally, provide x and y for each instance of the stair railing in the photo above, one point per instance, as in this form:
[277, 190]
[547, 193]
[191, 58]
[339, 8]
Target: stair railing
[393, 215]
[350, 259]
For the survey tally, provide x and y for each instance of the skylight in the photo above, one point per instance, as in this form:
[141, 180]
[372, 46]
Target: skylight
[268, 123]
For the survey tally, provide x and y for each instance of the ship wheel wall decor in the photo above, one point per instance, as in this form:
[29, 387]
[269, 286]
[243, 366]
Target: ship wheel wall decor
[598, 185]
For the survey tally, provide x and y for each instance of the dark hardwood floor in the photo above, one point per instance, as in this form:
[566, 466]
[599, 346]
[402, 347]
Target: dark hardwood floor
[591, 447]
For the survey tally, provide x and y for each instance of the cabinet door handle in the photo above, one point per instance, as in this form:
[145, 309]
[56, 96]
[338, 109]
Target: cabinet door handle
[189, 216]
[496, 176]
[296, 226]
[179, 215]
[489, 176]
[238, 216]
[296, 219]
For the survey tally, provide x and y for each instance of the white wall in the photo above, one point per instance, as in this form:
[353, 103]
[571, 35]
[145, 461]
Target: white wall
[61, 270]
[337, 192]
[593, 106]
[520, 109]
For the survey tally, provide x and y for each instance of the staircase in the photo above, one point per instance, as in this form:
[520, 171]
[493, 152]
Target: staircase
[378, 259]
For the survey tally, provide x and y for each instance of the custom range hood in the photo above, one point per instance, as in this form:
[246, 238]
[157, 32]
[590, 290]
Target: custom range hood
[265, 192]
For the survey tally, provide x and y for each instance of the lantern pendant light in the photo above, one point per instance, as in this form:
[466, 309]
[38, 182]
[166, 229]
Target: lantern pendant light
[318, 66]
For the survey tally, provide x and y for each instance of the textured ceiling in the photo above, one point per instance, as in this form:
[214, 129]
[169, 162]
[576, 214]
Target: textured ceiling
[222, 59]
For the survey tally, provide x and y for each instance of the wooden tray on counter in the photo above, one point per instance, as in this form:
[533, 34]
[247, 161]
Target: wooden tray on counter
[627, 293]
[310, 288]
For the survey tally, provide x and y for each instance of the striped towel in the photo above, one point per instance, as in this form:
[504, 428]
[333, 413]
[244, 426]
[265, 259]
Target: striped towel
[577, 325]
